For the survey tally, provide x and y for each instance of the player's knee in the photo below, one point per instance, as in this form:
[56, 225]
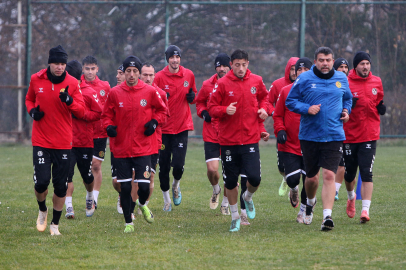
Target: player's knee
[350, 176]
[293, 180]
[366, 175]
[143, 187]
[60, 190]
[177, 172]
[231, 184]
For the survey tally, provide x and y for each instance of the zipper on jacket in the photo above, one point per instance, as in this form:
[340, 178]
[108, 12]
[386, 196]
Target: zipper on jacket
[52, 86]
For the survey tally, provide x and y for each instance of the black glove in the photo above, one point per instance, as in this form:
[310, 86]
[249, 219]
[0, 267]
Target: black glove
[206, 116]
[381, 108]
[281, 138]
[111, 131]
[36, 114]
[151, 126]
[190, 96]
[354, 102]
[65, 97]
[167, 95]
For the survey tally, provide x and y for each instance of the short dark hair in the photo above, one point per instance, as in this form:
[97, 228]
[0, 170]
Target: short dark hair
[239, 54]
[147, 64]
[323, 50]
[90, 59]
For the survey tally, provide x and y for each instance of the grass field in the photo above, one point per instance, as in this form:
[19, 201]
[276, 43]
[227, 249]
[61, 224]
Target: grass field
[193, 236]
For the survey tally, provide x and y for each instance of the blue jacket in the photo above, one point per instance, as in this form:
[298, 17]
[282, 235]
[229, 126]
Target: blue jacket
[333, 94]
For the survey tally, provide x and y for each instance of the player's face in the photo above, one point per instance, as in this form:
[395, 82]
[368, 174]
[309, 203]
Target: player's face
[221, 71]
[301, 70]
[174, 62]
[57, 68]
[131, 76]
[120, 77]
[292, 73]
[89, 71]
[363, 68]
[240, 67]
[324, 63]
[147, 75]
[343, 68]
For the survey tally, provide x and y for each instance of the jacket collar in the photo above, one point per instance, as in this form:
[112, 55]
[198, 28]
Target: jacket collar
[127, 88]
[178, 74]
[353, 75]
[232, 77]
[94, 82]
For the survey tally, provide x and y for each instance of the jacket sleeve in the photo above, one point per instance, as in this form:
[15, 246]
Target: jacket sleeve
[30, 98]
[261, 127]
[216, 109]
[160, 109]
[108, 111]
[201, 101]
[294, 99]
[347, 98]
[272, 95]
[193, 86]
[279, 114]
[380, 93]
[263, 98]
[93, 109]
[78, 105]
[165, 100]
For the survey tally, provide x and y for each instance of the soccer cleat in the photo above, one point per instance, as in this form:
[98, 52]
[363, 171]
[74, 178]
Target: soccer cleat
[132, 216]
[54, 229]
[351, 207]
[95, 204]
[300, 217]
[148, 216]
[308, 218]
[177, 196]
[90, 207]
[235, 225]
[139, 211]
[244, 220]
[129, 228]
[364, 217]
[42, 220]
[225, 210]
[327, 224]
[167, 207]
[69, 213]
[294, 197]
[214, 200]
[119, 208]
[250, 208]
[336, 197]
[283, 188]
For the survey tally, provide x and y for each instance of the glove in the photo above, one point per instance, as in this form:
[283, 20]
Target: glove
[36, 114]
[206, 116]
[354, 102]
[190, 96]
[167, 95]
[65, 97]
[381, 108]
[111, 131]
[151, 126]
[281, 138]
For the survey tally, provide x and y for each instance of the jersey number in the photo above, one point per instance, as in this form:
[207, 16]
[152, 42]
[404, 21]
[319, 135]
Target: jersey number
[41, 161]
[228, 158]
[348, 152]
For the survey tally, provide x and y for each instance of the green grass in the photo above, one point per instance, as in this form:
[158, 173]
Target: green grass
[193, 236]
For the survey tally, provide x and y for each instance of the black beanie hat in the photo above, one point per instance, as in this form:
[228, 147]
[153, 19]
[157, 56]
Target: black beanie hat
[57, 55]
[222, 59]
[132, 61]
[121, 68]
[74, 68]
[303, 62]
[171, 51]
[338, 62]
[359, 56]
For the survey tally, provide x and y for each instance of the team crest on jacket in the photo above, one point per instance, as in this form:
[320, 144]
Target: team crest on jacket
[62, 90]
[143, 102]
[102, 93]
[338, 84]
[253, 90]
[186, 84]
[374, 91]
[39, 153]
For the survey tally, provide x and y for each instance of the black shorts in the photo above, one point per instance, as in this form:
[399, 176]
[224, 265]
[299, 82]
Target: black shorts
[99, 148]
[280, 157]
[360, 155]
[113, 166]
[140, 165]
[47, 160]
[211, 151]
[326, 155]
[342, 161]
[154, 162]
[294, 168]
[83, 158]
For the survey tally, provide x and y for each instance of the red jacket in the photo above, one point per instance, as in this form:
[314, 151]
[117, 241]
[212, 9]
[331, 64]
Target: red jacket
[177, 85]
[364, 123]
[130, 108]
[54, 130]
[277, 85]
[158, 130]
[82, 128]
[209, 132]
[250, 94]
[286, 120]
[102, 89]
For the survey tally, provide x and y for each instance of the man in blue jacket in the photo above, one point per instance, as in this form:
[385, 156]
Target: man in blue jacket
[323, 98]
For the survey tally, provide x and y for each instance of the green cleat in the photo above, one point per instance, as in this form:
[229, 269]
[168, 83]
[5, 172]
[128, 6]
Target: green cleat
[148, 216]
[336, 197]
[235, 225]
[283, 188]
[249, 207]
[129, 228]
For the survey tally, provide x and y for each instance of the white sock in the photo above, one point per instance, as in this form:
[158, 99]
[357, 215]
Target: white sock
[146, 202]
[302, 207]
[225, 201]
[89, 195]
[327, 212]
[68, 201]
[350, 194]
[234, 211]
[132, 223]
[96, 195]
[284, 178]
[216, 189]
[243, 212]
[311, 201]
[338, 185]
[365, 205]
[175, 183]
[167, 198]
[295, 188]
[248, 196]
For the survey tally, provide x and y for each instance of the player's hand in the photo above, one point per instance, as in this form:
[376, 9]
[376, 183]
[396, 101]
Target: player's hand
[282, 137]
[314, 109]
[150, 127]
[262, 114]
[231, 108]
[190, 96]
[111, 131]
[381, 108]
[36, 114]
[345, 116]
[206, 116]
[354, 102]
[65, 97]
[265, 136]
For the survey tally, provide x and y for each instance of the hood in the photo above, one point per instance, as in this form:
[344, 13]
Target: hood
[292, 61]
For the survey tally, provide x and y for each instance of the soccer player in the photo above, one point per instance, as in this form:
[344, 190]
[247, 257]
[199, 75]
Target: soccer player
[82, 144]
[120, 75]
[90, 69]
[132, 112]
[274, 90]
[239, 101]
[211, 145]
[52, 97]
[323, 99]
[286, 128]
[179, 83]
[362, 131]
